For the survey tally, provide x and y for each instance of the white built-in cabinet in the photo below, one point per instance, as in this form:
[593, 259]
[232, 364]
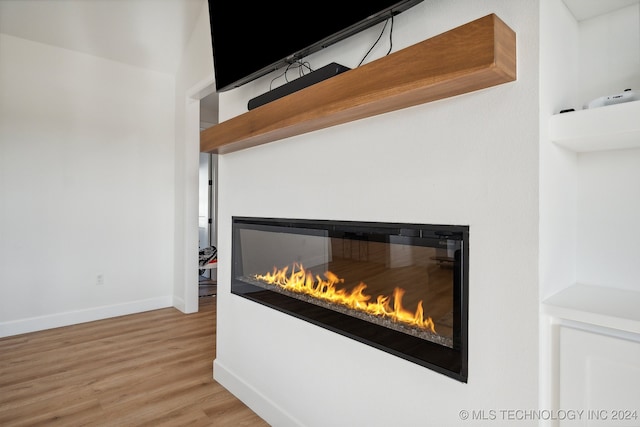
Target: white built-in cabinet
[591, 331]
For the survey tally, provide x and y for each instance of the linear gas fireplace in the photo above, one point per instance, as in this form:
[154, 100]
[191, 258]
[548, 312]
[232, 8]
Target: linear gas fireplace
[401, 288]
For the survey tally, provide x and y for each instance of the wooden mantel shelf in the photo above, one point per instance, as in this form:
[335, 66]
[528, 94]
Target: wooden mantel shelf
[474, 56]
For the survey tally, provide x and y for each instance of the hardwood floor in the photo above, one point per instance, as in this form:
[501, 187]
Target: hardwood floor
[146, 369]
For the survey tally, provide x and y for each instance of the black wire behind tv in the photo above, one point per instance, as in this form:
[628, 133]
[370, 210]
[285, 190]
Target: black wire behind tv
[254, 39]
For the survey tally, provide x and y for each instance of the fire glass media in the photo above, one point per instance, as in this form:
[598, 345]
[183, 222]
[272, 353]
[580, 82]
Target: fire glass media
[401, 288]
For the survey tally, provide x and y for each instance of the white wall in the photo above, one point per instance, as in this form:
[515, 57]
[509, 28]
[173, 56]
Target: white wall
[559, 64]
[194, 80]
[608, 199]
[471, 159]
[608, 190]
[609, 53]
[86, 187]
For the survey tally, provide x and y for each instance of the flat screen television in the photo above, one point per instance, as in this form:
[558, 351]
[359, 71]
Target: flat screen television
[251, 40]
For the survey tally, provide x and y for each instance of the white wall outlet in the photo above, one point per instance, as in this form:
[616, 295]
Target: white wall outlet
[100, 279]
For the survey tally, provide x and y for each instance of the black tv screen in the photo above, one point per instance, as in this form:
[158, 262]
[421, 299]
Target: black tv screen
[254, 39]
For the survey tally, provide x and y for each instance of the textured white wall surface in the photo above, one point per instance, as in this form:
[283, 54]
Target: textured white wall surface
[470, 160]
[86, 187]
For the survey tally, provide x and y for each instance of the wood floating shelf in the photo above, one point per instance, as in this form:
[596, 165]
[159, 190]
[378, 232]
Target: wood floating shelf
[474, 56]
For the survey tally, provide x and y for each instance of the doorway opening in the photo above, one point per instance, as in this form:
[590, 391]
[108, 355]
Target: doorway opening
[207, 205]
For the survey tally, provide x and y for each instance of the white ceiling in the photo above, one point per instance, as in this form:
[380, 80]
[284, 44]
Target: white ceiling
[585, 9]
[144, 33]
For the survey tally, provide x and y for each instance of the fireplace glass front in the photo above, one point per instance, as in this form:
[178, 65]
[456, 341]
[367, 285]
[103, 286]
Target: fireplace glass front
[400, 288]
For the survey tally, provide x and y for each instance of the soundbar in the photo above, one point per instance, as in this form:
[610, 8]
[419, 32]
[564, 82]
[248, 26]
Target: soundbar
[307, 80]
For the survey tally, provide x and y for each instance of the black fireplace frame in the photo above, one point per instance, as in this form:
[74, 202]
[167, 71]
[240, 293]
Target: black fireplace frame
[452, 362]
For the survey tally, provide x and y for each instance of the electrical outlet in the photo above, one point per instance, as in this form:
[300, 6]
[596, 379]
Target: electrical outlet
[100, 279]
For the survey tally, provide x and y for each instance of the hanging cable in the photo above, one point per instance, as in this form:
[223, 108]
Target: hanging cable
[379, 37]
[301, 66]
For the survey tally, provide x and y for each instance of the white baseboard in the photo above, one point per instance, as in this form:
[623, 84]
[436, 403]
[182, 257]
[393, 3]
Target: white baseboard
[40, 323]
[179, 304]
[258, 402]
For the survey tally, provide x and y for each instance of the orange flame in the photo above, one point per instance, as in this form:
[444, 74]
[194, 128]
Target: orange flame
[302, 281]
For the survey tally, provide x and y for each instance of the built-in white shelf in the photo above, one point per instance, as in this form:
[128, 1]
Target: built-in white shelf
[597, 305]
[613, 127]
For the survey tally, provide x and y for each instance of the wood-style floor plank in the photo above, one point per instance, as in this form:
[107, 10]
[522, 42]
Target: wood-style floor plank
[146, 369]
